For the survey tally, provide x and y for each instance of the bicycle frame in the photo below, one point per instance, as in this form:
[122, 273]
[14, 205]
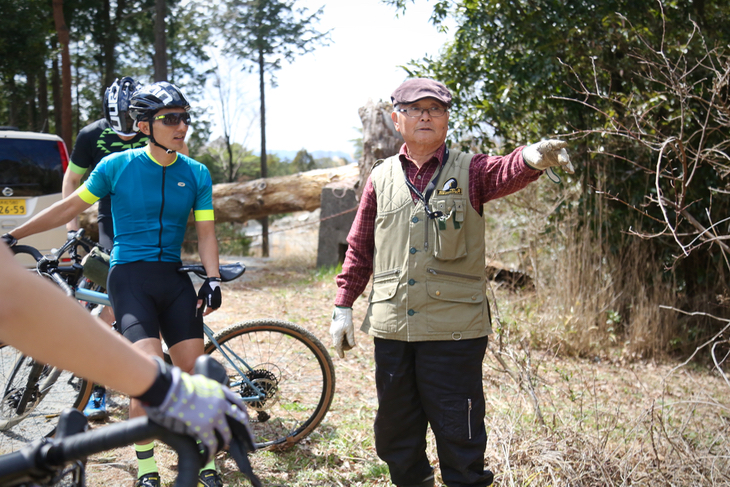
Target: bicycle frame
[96, 297]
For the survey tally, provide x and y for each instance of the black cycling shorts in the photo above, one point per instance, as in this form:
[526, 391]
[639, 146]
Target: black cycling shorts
[152, 299]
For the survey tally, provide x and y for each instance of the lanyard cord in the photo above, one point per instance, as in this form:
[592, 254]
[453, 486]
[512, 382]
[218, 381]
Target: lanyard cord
[429, 189]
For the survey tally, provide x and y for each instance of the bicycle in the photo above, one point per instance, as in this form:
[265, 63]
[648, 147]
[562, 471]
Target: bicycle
[33, 394]
[62, 460]
[282, 372]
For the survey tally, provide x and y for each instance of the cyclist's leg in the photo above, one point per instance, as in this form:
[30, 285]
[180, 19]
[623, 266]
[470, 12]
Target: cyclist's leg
[132, 289]
[182, 329]
[96, 407]
[184, 353]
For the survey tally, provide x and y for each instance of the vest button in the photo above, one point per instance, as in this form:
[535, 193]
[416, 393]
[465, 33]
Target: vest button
[413, 250]
[414, 219]
[438, 293]
[411, 312]
[474, 298]
[411, 282]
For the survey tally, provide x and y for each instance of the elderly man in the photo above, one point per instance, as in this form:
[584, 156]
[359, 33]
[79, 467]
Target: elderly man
[419, 231]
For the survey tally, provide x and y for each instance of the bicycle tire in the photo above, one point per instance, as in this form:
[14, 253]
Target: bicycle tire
[295, 369]
[42, 412]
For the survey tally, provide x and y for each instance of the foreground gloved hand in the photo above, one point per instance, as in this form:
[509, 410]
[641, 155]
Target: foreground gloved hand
[210, 294]
[9, 239]
[342, 330]
[547, 154]
[197, 406]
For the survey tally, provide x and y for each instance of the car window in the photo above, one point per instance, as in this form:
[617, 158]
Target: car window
[30, 167]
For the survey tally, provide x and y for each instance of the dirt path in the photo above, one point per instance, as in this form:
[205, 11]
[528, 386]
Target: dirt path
[605, 423]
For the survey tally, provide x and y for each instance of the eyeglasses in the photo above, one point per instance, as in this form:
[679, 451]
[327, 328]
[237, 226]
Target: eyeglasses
[415, 112]
[174, 119]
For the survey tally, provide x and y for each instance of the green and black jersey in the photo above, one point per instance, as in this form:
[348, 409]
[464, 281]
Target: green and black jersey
[94, 142]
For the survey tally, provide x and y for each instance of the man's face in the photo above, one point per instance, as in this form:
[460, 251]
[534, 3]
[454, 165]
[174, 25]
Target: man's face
[424, 129]
[167, 133]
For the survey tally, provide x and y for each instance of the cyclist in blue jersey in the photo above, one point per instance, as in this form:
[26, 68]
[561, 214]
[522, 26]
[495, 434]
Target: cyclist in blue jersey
[116, 132]
[153, 190]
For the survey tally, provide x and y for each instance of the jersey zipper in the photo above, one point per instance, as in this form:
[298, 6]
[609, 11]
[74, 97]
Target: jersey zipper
[162, 208]
[452, 274]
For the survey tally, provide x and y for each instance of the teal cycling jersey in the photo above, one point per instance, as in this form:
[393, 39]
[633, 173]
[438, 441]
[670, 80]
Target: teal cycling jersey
[151, 203]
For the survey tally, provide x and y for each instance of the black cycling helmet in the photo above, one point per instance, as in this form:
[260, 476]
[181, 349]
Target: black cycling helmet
[150, 99]
[116, 105]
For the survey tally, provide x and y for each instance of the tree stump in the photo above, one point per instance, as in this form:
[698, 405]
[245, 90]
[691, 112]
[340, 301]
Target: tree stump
[379, 138]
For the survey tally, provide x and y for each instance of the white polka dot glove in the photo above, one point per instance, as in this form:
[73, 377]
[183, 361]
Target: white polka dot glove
[202, 408]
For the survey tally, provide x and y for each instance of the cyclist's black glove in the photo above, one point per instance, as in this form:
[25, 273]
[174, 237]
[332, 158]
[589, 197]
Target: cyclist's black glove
[9, 239]
[210, 293]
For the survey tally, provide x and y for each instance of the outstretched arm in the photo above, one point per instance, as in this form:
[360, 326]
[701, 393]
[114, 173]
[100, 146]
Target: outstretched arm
[52, 331]
[54, 216]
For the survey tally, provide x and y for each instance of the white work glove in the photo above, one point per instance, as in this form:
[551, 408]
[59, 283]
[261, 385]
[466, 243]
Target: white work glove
[547, 154]
[342, 330]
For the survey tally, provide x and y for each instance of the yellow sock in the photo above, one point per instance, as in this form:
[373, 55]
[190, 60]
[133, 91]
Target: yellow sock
[146, 462]
[209, 466]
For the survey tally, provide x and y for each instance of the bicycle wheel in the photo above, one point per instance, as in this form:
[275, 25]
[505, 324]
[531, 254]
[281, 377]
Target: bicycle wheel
[291, 365]
[48, 395]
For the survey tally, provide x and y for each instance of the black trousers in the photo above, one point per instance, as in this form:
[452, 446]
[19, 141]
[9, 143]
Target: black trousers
[437, 383]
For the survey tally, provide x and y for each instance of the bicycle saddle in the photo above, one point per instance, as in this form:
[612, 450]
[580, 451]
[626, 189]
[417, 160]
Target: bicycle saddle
[228, 272]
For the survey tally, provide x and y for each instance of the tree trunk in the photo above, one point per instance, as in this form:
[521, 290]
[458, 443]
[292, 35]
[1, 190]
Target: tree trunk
[110, 43]
[264, 169]
[379, 138]
[160, 41]
[31, 97]
[63, 39]
[43, 99]
[56, 91]
[253, 200]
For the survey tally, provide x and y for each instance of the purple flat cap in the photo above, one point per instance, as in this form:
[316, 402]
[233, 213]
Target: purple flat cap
[416, 89]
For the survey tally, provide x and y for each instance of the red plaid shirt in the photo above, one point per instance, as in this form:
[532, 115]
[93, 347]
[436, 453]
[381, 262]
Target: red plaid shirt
[490, 177]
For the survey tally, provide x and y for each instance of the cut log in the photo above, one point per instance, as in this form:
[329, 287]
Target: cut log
[240, 202]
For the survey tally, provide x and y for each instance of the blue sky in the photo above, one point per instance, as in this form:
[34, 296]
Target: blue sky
[315, 103]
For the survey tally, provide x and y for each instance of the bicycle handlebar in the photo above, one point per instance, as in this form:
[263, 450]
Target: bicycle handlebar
[38, 461]
[228, 272]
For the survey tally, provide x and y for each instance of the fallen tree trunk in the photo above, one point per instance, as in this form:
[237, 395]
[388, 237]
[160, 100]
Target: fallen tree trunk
[240, 202]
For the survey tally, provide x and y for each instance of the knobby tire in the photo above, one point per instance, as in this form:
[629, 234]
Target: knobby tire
[294, 368]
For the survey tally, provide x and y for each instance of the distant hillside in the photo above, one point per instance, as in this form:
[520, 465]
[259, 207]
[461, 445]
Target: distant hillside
[318, 154]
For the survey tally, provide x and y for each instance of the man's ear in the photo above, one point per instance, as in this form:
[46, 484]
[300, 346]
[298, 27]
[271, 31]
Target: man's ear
[394, 118]
[144, 127]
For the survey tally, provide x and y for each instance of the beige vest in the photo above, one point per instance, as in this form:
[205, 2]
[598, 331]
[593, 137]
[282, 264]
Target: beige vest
[428, 274]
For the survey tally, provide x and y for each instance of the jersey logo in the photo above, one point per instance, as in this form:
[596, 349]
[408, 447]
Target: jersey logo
[450, 187]
[181, 184]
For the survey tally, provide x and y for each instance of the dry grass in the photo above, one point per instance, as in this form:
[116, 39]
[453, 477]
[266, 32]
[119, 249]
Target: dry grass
[567, 404]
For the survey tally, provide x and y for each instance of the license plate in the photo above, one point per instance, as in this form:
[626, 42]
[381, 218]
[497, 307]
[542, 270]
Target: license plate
[12, 207]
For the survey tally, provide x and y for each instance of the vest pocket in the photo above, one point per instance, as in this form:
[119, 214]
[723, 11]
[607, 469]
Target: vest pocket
[450, 235]
[382, 313]
[455, 302]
